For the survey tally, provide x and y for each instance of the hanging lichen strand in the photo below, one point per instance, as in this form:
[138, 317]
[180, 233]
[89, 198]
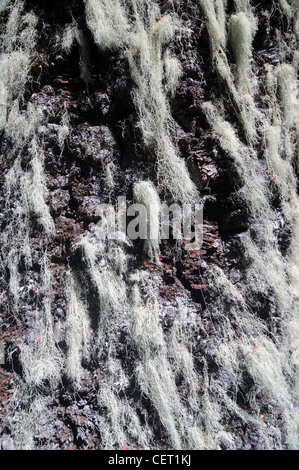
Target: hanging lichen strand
[140, 37]
[137, 30]
[149, 390]
[274, 365]
[25, 200]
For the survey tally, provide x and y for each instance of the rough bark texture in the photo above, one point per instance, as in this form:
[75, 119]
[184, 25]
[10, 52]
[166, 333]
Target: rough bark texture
[101, 134]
